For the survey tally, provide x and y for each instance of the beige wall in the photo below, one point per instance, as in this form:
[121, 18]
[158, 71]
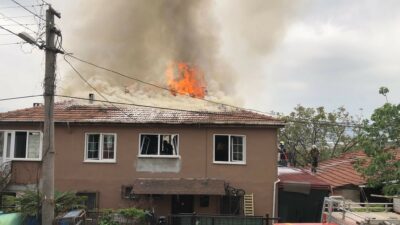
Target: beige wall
[196, 151]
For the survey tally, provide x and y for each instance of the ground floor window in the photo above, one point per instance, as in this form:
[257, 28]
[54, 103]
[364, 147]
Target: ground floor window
[5, 204]
[91, 201]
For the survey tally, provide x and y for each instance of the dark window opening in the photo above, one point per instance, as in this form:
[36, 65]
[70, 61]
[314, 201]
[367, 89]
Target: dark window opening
[2, 141]
[221, 148]
[91, 201]
[154, 144]
[231, 205]
[20, 145]
[204, 201]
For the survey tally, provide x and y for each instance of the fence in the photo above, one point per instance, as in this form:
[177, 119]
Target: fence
[198, 219]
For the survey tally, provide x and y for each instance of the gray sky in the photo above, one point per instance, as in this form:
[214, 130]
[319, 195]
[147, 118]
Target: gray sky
[325, 53]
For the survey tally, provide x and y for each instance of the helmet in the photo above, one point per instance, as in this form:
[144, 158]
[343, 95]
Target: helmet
[282, 143]
[313, 147]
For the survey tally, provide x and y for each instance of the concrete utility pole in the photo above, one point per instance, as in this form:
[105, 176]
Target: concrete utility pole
[48, 130]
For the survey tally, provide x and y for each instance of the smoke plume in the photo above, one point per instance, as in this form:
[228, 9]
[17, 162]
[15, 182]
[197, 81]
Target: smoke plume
[140, 38]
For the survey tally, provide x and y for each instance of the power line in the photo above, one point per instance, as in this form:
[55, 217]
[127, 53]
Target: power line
[15, 43]
[15, 17]
[20, 97]
[28, 10]
[14, 7]
[1, 27]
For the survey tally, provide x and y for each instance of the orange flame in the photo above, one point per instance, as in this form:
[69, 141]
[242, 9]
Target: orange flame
[185, 79]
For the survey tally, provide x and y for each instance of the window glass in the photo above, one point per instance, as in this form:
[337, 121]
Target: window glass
[237, 148]
[93, 146]
[168, 144]
[20, 145]
[221, 148]
[108, 146]
[148, 144]
[8, 150]
[33, 145]
[2, 140]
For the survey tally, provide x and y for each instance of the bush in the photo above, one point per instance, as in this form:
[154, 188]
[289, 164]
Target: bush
[133, 213]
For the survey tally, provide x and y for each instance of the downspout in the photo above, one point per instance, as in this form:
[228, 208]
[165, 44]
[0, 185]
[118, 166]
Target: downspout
[274, 198]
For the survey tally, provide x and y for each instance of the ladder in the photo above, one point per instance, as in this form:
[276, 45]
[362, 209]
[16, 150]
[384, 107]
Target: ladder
[248, 205]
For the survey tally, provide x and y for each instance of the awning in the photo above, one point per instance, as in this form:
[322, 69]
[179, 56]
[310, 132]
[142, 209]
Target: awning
[172, 186]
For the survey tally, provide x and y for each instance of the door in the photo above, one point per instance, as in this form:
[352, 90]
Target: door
[182, 204]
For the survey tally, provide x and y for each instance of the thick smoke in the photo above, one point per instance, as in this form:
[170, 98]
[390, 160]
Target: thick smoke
[140, 38]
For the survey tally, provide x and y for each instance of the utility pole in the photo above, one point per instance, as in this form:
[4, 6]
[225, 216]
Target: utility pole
[48, 150]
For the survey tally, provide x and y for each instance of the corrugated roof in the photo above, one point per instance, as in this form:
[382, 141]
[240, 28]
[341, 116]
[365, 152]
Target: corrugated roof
[289, 175]
[71, 111]
[340, 171]
[179, 186]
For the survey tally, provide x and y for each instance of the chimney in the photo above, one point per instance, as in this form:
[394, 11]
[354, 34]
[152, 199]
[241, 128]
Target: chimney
[36, 104]
[91, 98]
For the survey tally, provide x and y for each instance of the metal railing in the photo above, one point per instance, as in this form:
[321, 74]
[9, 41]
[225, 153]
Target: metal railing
[204, 219]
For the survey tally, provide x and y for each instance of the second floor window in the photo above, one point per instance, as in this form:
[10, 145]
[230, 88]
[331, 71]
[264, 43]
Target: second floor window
[229, 149]
[100, 147]
[21, 145]
[158, 145]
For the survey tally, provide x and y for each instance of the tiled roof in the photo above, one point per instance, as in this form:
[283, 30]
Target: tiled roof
[340, 171]
[289, 175]
[71, 111]
[173, 186]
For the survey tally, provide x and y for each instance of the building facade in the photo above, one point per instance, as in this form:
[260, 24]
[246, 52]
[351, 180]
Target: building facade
[169, 161]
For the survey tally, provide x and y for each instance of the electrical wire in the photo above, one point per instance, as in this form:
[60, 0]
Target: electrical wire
[1, 27]
[28, 10]
[20, 97]
[15, 43]
[14, 7]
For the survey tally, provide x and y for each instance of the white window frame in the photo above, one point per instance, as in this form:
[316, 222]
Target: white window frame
[140, 155]
[243, 162]
[100, 160]
[12, 145]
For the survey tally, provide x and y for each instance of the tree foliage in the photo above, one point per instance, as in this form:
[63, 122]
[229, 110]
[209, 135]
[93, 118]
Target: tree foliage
[380, 139]
[30, 202]
[332, 132]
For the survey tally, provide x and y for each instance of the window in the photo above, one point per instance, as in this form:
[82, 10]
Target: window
[229, 149]
[158, 145]
[21, 145]
[91, 201]
[100, 147]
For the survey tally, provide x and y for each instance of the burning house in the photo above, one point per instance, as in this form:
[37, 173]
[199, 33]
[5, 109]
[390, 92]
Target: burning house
[172, 161]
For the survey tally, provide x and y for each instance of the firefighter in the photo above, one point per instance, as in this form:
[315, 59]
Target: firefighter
[314, 155]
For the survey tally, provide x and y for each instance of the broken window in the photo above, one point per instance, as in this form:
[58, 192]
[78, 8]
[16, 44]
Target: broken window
[229, 148]
[158, 144]
[100, 147]
[21, 144]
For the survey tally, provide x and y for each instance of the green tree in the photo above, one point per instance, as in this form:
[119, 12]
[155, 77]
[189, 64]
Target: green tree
[332, 132]
[379, 139]
[383, 91]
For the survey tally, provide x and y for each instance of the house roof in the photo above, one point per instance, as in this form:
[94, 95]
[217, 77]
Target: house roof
[290, 175]
[175, 186]
[72, 111]
[340, 171]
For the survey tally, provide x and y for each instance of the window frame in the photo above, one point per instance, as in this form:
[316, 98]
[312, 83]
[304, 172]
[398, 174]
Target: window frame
[140, 155]
[230, 151]
[100, 160]
[12, 145]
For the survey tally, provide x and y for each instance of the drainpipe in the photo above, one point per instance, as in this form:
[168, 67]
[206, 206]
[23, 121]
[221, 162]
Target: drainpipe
[274, 199]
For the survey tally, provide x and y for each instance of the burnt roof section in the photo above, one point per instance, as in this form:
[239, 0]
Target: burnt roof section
[173, 186]
[71, 111]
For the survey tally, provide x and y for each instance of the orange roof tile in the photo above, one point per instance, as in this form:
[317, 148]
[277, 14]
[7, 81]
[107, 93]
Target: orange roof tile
[72, 111]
